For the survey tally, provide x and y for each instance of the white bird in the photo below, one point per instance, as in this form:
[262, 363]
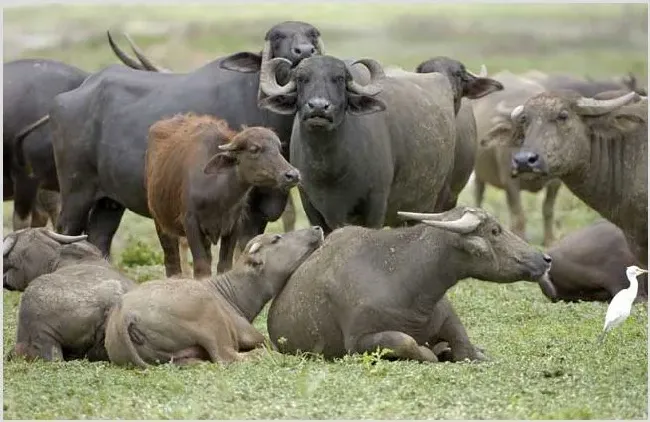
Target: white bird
[620, 306]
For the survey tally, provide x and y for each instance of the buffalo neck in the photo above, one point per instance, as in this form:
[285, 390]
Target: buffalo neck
[607, 177]
[243, 291]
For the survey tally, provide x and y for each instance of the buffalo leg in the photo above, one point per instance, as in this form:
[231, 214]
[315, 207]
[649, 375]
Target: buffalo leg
[517, 218]
[171, 252]
[50, 202]
[453, 332]
[548, 211]
[25, 189]
[479, 191]
[226, 251]
[401, 346]
[200, 247]
[103, 223]
[183, 250]
[376, 210]
[75, 210]
[313, 215]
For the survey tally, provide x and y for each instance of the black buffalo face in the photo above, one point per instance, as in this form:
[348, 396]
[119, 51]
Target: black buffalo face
[463, 82]
[290, 40]
[321, 90]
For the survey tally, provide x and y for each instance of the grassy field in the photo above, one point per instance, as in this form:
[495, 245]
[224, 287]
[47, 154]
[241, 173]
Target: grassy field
[544, 363]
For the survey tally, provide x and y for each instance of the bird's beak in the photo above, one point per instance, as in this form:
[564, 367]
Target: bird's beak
[643, 271]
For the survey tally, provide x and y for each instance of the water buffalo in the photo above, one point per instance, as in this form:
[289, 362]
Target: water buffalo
[368, 288]
[492, 165]
[199, 173]
[589, 264]
[467, 85]
[100, 129]
[598, 147]
[359, 164]
[585, 87]
[71, 288]
[182, 322]
[144, 63]
[29, 87]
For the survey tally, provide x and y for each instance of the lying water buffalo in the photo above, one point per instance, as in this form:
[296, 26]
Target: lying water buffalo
[199, 173]
[464, 84]
[493, 157]
[181, 322]
[62, 312]
[589, 264]
[100, 129]
[30, 253]
[598, 147]
[358, 164]
[29, 88]
[368, 288]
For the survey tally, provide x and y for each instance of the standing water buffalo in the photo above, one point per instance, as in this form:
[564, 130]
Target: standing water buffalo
[358, 164]
[493, 156]
[101, 129]
[598, 147]
[368, 288]
[182, 322]
[590, 263]
[199, 173]
[464, 84]
[29, 87]
[71, 288]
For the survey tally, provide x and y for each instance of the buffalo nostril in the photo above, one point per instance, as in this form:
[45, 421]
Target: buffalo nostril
[312, 50]
[296, 51]
[292, 176]
[547, 259]
[533, 159]
[317, 228]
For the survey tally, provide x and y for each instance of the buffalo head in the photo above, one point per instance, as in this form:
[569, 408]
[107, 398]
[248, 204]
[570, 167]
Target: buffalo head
[321, 90]
[463, 82]
[555, 130]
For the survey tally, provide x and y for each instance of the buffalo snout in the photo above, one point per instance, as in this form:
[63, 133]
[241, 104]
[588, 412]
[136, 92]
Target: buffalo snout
[527, 162]
[302, 51]
[292, 177]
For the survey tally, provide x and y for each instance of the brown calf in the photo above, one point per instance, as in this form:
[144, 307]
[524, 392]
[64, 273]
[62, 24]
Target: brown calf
[198, 174]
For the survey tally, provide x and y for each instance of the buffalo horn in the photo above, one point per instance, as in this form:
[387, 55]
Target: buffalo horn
[148, 64]
[376, 73]
[593, 107]
[421, 215]
[516, 112]
[65, 239]
[8, 245]
[268, 82]
[466, 224]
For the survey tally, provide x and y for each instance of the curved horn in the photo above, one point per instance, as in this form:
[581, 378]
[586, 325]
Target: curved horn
[376, 74]
[320, 46]
[593, 107]
[124, 58]
[266, 56]
[148, 64]
[268, 83]
[65, 239]
[420, 215]
[465, 224]
[516, 112]
[482, 73]
[230, 146]
[8, 245]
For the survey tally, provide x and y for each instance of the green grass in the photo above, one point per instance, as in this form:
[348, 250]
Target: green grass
[544, 363]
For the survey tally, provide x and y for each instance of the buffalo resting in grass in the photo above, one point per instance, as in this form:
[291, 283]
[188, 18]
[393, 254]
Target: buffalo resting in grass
[359, 164]
[29, 88]
[369, 288]
[589, 264]
[69, 290]
[100, 130]
[199, 173]
[598, 147]
[192, 320]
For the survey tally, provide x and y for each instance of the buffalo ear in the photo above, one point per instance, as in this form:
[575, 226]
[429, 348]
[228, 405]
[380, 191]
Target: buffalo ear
[475, 245]
[363, 104]
[627, 122]
[218, 162]
[480, 87]
[245, 62]
[281, 104]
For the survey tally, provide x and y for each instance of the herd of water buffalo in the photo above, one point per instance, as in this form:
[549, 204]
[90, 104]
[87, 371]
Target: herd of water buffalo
[211, 155]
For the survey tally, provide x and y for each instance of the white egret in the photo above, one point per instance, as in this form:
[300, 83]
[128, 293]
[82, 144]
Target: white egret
[620, 306]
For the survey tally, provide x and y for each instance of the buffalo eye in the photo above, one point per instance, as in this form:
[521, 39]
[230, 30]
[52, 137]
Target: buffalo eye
[276, 239]
[496, 231]
[338, 79]
[254, 149]
[277, 36]
[563, 115]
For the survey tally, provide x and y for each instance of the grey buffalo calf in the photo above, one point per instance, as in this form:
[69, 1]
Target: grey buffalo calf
[589, 264]
[597, 147]
[368, 288]
[182, 322]
[62, 311]
[199, 174]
